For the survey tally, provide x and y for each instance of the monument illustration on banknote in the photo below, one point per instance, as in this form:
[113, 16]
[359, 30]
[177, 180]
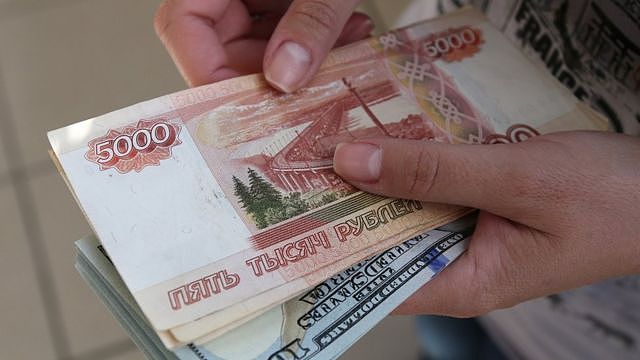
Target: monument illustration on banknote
[285, 168]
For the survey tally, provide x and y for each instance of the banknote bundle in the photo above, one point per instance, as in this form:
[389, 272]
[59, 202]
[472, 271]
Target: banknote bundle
[319, 324]
[219, 204]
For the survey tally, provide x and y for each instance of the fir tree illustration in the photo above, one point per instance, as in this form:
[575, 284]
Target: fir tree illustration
[241, 190]
[294, 205]
[264, 196]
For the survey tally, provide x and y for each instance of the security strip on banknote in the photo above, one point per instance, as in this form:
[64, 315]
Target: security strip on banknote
[321, 323]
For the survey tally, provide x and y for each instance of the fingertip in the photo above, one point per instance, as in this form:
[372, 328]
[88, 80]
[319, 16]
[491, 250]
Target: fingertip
[302, 39]
[358, 27]
[359, 18]
[359, 162]
[288, 67]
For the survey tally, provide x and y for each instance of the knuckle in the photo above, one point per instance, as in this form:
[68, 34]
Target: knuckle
[481, 296]
[526, 177]
[544, 178]
[317, 15]
[161, 19]
[480, 301]
[527, 186]
[421, 169]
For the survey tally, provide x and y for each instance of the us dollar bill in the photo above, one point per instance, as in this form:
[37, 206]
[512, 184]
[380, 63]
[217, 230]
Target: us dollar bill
[320, 323]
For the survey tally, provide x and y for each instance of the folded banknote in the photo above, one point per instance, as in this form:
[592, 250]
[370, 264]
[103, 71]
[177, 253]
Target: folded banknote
[219, 202]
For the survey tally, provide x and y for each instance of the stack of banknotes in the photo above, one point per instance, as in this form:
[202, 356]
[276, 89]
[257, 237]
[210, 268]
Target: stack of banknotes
[228, 233]
[320, 324]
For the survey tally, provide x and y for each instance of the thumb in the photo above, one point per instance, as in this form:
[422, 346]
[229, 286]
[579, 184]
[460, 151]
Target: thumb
[302, 39]
[495, 178]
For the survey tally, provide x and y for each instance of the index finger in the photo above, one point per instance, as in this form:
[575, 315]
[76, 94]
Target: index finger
[302, 39]
[190, 31]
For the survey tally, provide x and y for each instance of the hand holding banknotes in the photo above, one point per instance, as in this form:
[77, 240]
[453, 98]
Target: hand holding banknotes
[558, 211]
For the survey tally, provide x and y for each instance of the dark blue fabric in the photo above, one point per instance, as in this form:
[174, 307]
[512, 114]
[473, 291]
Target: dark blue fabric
[444, 338]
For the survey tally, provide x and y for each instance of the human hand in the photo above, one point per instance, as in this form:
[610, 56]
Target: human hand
[557, 211]
[213, 40]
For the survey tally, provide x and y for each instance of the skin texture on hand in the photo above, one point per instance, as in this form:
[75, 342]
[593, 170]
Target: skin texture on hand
[213, 40]
[557, 211]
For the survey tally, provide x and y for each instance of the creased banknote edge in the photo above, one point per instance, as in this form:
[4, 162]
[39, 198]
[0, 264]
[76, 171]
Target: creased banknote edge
[405, 234]
[117, 308]
[462, 243]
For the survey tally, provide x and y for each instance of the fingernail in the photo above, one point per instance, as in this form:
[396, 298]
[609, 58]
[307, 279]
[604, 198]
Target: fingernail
[358, 30]
[288, 67]
[367, 27]
[358, 161]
